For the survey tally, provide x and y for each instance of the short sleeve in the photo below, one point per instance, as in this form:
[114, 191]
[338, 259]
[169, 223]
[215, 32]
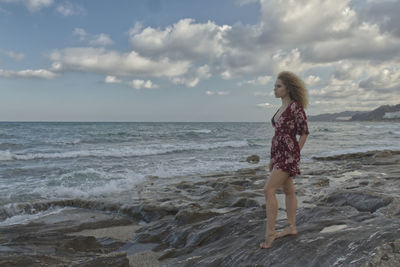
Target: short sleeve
[301, 120]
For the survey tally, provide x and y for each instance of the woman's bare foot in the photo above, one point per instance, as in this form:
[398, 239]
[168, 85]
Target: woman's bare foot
[290, 230]
[268, 240]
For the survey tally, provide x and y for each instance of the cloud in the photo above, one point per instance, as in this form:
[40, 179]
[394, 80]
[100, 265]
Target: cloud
[141, 84]
[4, 11]
[387, 78]
[245, 2]
[264, 105]
[202, 73]
[261, 80]
[101, 40]
[289, 36]
[31, 5]
[112, 79]
[266, 93]
[109, 62]
[385, 14]
[217, 92]
[183, 40]
[312, 80]
[68, 9]
[13, 55]
[40, 73]
[81, 33]
[345, 51]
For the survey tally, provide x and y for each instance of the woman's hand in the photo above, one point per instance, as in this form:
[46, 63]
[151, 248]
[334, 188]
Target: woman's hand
[270, 166]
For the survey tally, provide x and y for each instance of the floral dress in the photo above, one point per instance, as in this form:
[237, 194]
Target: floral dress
[285, 150]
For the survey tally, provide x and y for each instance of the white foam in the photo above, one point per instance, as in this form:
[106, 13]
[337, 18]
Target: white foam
[25, 218]
[86, 189]
[201, 131]
[353, 150]
[333, 228]
[6, 155]
[126, 151]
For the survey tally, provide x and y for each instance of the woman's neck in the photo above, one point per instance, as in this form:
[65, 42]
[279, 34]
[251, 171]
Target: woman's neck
[286, 101]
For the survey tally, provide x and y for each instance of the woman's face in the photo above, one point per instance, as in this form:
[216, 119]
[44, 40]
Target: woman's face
[280, 89]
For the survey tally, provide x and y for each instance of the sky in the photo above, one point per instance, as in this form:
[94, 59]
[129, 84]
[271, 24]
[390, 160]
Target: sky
[191, 60]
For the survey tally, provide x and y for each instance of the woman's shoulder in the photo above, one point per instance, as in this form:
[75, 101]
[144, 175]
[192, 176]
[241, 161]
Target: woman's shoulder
[295, 105]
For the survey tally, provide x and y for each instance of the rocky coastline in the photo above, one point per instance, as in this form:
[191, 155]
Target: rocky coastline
[348, 214]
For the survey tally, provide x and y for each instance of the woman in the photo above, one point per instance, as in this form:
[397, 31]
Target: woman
[288, 121]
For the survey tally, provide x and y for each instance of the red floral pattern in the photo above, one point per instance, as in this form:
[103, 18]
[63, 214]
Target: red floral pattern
[285, 150]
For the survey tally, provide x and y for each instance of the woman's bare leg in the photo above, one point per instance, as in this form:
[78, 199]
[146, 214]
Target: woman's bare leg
[276, 180]
[291, 208]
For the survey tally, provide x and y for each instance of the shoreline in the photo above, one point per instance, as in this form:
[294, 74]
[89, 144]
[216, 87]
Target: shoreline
[193, 222]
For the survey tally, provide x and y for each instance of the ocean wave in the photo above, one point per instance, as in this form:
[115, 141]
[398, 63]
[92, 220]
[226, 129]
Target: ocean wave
[352, 151]
[23, 213]
[17, 215]
[198, 131]
[127, 151]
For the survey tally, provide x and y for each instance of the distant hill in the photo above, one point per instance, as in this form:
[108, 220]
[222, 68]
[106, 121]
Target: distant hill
[381, 113]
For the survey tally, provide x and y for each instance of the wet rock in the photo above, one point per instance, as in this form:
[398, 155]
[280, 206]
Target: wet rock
[115, 259]
[216, 220]
[149, 213]
[253, 159]
[386, 255]
[244, 183]
[383, 154]
[245, 202]
[321, 182]
[359, 200]
[81, 243]
[192, 216]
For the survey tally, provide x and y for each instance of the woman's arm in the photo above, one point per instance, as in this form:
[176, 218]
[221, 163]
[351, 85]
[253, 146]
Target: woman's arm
[302, 140]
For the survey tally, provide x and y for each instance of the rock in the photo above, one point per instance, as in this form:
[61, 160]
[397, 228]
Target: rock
[383, 154]
[81, 243]
[217, 220]
[114, 259]
[359, 200]
[253, 159]
[321, 182]
[245, 202]
[386, 255]
[192, 216]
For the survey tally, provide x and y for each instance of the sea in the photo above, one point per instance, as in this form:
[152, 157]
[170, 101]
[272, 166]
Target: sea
[45, 161]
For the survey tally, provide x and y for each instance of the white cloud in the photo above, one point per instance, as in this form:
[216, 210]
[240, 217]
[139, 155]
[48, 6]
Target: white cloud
[31, 5]
[142, 84]
[183, 40]
[261, 80]
[223, 93]
[202, 73]
[210, 93]
[109, 62]
[12, 54]
[135, 29]
[4, 11]
[264, 105]
[246, 2]
[40, 73]
[68, 9]
[218, 93]
[112, 79]
[258, 93]
[387, 78]
[312, 80]
[101, 40]
[80, 32]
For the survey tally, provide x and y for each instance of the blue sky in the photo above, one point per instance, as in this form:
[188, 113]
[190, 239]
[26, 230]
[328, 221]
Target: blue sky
[170, 60]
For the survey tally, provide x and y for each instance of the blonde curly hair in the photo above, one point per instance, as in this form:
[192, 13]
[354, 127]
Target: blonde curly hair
[295, 86]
